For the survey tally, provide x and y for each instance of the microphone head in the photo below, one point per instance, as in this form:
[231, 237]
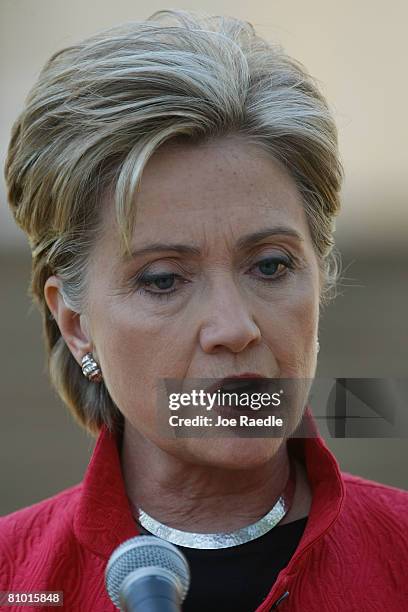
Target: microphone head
[150, 555]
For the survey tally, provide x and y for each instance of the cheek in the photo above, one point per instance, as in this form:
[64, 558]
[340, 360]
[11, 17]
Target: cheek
[291, 334]
[289, 326]
[135, 353]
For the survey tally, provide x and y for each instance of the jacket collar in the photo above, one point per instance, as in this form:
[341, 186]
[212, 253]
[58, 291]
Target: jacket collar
[326, 482]
[103, 518]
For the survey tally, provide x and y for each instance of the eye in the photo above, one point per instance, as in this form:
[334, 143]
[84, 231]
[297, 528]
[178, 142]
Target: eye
[160, 285]
[273, 268]
[159, 281]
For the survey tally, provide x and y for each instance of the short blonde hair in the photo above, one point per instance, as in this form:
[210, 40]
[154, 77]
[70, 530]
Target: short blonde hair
[102, 107]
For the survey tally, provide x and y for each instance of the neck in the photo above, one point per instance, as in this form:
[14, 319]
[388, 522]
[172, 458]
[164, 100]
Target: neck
[205, 499]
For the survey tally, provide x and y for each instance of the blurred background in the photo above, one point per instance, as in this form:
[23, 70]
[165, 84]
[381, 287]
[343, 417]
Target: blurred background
[357, 51]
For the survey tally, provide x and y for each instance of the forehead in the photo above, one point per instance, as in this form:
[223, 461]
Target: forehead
[221, 187]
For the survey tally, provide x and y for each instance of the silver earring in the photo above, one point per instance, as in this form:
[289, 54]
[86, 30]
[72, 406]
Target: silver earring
[317, 345]
[90, 368]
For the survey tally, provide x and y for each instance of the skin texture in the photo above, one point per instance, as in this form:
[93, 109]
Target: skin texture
[228, 314]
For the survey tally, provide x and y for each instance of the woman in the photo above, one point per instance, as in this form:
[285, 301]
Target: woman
[178, 181]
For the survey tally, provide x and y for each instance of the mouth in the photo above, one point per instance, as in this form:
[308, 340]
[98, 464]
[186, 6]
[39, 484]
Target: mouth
[242, 385]
[234, 381]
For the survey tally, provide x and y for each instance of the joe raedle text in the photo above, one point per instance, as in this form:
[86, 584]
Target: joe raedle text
[221, 421]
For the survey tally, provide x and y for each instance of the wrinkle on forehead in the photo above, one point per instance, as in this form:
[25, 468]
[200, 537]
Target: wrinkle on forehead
[209, 191]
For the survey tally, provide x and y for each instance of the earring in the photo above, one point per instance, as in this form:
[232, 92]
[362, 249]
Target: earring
[317, 345]
[90, 368]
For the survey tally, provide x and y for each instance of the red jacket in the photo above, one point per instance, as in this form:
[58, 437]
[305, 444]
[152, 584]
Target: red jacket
[353, 556]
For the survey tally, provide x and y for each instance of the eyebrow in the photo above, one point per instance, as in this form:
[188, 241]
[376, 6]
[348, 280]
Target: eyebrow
[242, 243]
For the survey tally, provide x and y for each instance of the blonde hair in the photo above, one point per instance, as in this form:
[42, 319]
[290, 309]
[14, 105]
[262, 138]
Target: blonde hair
[102, 107]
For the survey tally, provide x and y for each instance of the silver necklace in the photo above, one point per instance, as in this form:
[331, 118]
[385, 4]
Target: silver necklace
[224, 539]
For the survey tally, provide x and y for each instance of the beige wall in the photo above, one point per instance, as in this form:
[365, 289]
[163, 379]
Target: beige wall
[357, 49]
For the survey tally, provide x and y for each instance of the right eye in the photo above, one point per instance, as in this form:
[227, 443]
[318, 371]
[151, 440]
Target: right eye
[159, 285]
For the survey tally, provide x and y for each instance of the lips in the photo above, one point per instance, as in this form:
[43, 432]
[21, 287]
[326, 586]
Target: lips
[241, 383]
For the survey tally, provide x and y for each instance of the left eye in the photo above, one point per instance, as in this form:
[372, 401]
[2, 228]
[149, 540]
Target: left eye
[162, 282]
[273, 266]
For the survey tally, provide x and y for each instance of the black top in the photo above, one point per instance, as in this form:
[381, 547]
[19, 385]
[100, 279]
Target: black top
[239, 578]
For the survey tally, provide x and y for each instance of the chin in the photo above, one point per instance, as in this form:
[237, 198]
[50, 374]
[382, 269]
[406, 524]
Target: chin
[233, 453]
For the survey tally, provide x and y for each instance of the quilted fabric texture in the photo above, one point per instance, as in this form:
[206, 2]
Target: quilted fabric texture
[353, 556]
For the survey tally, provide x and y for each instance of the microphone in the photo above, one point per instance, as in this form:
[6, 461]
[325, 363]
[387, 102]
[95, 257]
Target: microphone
[147, 574]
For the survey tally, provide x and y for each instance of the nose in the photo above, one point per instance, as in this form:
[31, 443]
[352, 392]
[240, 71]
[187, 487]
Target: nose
[229, 323]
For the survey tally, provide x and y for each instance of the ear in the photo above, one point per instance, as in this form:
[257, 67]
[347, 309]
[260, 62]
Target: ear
[73, 326]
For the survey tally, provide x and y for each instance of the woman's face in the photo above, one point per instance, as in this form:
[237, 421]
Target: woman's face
[224, 280]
